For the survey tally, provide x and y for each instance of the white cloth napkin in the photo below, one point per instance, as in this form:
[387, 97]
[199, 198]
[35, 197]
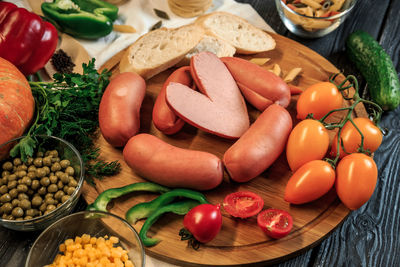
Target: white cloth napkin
[140, 15]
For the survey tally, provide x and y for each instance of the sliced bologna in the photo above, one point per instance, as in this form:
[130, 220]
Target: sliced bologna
[219, 108]
[164, 118]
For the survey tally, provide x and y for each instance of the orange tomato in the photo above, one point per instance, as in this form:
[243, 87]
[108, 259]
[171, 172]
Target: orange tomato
[356, 179]
[308, 141]
[352, 139]
[310, 182]
[319, 99]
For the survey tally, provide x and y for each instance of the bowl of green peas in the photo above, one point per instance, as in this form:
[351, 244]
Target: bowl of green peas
[39, 189]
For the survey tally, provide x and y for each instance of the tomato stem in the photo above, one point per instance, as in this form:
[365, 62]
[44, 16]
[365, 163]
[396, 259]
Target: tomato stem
[186, 235]
[345, 91]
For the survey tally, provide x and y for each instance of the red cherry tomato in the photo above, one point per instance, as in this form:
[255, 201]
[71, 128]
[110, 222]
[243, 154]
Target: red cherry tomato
[243, 204]
[352, 139]
[356, 179]
[204, 222]
[319, 99]
[310, 182]
[308, 141]
[275, 223]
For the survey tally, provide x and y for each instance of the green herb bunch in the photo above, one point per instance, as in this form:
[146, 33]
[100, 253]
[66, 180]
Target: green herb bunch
[68, 108]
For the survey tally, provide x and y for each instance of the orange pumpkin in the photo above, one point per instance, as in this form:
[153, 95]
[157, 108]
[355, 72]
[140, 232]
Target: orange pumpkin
[17, 104]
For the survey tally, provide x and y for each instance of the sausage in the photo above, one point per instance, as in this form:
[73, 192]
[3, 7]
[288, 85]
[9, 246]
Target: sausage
[165, 164]
[119, 110]
[260, 87]
[260, 145]
[219, 108]
[164, 118]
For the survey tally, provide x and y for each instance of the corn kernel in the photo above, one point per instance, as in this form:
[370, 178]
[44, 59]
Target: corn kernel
[78, 239]
[114, 239]
[87, 251]
[85, 238]
[93, 240]
[62, 248]
[69, 242]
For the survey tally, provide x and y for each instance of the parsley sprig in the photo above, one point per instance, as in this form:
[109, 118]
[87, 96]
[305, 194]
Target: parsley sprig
[68, 108]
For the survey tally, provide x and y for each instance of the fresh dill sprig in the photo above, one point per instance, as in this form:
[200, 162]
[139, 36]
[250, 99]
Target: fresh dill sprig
[68, 108]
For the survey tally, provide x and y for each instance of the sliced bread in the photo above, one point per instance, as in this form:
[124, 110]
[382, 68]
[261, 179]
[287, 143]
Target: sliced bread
[246, 38]
[210, 44]
[160, 49]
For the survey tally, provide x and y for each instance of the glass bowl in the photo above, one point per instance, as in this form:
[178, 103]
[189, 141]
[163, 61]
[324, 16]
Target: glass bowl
[65, 151]
[93, 223]
[301, 21]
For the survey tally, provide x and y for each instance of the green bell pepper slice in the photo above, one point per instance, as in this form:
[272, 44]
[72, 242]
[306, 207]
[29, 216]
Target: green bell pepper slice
[106, 196]
[88, 19]
[145, 209]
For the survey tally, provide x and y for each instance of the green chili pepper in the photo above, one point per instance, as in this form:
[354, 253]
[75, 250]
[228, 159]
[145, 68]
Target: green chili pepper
[180, 208]
[106, 196]
[143, 210]
[89, 19]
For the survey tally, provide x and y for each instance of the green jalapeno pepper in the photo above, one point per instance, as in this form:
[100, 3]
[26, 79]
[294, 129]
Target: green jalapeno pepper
[89, 19]
[180, 208]
[106, 196]
[143, 210]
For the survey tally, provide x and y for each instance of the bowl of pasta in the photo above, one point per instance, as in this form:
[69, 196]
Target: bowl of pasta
[313, 18]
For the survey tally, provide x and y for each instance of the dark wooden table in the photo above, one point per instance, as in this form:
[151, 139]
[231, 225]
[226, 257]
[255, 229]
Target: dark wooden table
[370, 235]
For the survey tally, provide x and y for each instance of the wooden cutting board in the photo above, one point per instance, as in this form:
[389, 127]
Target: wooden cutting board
[240, 241]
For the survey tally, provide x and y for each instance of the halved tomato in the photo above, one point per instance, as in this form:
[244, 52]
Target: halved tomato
[275, 223]
[243, 204]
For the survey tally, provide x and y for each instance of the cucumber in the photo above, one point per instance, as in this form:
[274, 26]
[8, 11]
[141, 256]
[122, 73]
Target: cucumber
[376, 67]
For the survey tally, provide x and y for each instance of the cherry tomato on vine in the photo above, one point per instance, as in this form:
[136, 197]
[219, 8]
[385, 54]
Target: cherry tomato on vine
[351, 138]
[275, 223]
[309, 140]
[356, 179]
[310, 182]
[319, 99]
[243, 204]
[204, 222]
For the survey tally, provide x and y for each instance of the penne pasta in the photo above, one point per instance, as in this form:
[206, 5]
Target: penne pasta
[293, 73]
[259, 60]
[277, 70]
[311, 3]
[317, 24]
[337, 5]
[309, 9]
[124, 28]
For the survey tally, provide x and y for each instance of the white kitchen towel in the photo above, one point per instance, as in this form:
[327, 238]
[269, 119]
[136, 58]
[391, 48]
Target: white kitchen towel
[140, 15]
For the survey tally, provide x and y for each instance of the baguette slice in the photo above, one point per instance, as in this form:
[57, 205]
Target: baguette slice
[211, 44]
[160, 49]
[246, 38]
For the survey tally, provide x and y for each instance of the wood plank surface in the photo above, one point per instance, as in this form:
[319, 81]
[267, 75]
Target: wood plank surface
[240, 241]
[369, 236]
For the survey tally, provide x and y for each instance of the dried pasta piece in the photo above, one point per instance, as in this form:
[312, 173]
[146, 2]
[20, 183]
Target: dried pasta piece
[317, 24]
[277, 70]
[293, 73]
[311, 3]
[124, 28]
[259, 60]
[337, 5]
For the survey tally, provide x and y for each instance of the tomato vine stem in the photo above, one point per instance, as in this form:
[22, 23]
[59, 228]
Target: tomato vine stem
[344, 89]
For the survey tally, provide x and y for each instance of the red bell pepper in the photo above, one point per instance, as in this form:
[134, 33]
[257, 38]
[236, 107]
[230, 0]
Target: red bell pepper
[25, 39]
